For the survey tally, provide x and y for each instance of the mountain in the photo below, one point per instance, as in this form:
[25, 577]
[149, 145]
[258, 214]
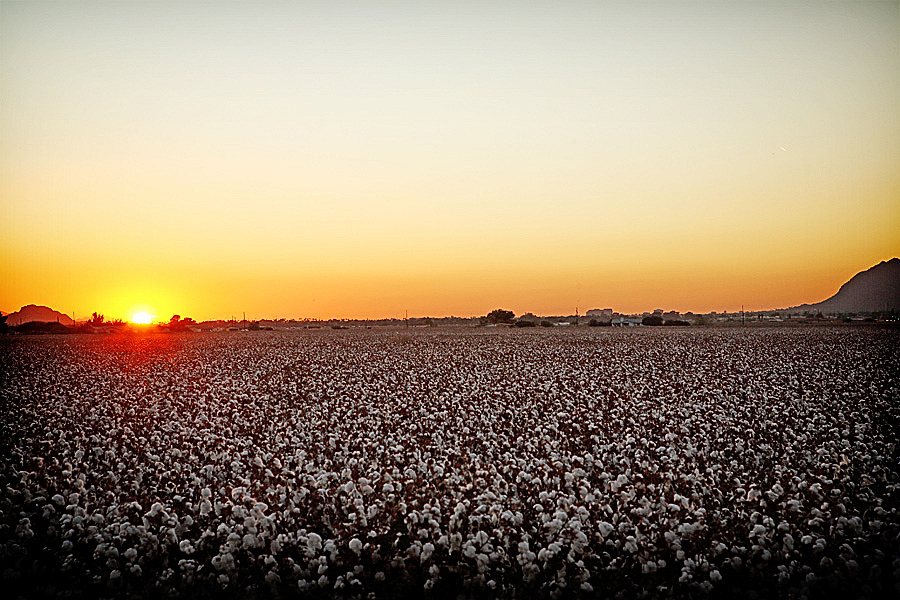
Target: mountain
[37, 313]
[874, 290]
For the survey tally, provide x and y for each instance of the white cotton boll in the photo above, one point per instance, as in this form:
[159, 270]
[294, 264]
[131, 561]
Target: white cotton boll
[313, 542]
[427, 551]
[186, 547]
[388, 488]
[155, 509]
[715, 576]
[356, 545]
[605, 528]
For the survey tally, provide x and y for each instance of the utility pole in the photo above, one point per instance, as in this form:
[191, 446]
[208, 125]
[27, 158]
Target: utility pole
[742, 314]
[407, 318]
[576, 316]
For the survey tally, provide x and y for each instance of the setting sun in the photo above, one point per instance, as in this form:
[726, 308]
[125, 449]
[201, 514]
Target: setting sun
[142, 318]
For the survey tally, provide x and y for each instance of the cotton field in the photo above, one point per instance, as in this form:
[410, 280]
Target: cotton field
[481, 463]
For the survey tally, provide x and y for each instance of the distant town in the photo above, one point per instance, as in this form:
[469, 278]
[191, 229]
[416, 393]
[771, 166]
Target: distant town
[870, 296]
[50, 321]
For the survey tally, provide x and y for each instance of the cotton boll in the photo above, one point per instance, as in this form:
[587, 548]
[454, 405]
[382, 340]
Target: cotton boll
[605, 529]
[427, 551]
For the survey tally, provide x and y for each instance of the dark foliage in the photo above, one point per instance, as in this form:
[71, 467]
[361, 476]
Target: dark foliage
[41, 327]
[500, 316]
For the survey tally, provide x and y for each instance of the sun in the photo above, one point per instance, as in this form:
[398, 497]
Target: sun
[142, 318]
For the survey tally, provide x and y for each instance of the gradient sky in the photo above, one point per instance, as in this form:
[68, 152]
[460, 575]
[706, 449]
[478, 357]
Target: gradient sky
[342, 159]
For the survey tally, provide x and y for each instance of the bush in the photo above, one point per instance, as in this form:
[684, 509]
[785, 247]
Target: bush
[546, 324]
[526, 323]
[500, 316]
[652, 320]
[41, 327]
[598, 323]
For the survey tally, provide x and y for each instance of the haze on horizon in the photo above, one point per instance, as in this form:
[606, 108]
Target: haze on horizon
[357, 160]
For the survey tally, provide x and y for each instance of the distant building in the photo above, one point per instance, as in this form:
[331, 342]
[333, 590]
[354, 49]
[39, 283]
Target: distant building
[627, 322]
[606, 313]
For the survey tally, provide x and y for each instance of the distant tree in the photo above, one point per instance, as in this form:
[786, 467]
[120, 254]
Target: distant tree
[176, 323]
[676, 322]
[96, 320]
[500, 316]
[3, 326]
[525, 323]
[546, 323]
[652, 320]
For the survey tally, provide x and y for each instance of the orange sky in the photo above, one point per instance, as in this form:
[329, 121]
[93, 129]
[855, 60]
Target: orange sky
[347, 161]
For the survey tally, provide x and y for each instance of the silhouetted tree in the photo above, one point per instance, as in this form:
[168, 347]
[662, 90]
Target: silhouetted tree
[96, 320]
[652, 320]
[500, 316]
[3, 326]
[176, 323]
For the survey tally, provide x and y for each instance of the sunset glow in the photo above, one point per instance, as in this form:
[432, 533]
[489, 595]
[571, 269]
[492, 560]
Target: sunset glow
[296, 161]
[142, 318]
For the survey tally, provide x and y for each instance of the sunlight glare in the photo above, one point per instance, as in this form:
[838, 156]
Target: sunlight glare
[142, 318]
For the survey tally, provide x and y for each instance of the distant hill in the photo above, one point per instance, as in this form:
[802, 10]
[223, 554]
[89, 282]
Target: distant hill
[42, 314]
[874, 290]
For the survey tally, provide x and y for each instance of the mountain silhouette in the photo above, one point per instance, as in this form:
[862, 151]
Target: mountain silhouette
[874, 290]
[43, 314]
